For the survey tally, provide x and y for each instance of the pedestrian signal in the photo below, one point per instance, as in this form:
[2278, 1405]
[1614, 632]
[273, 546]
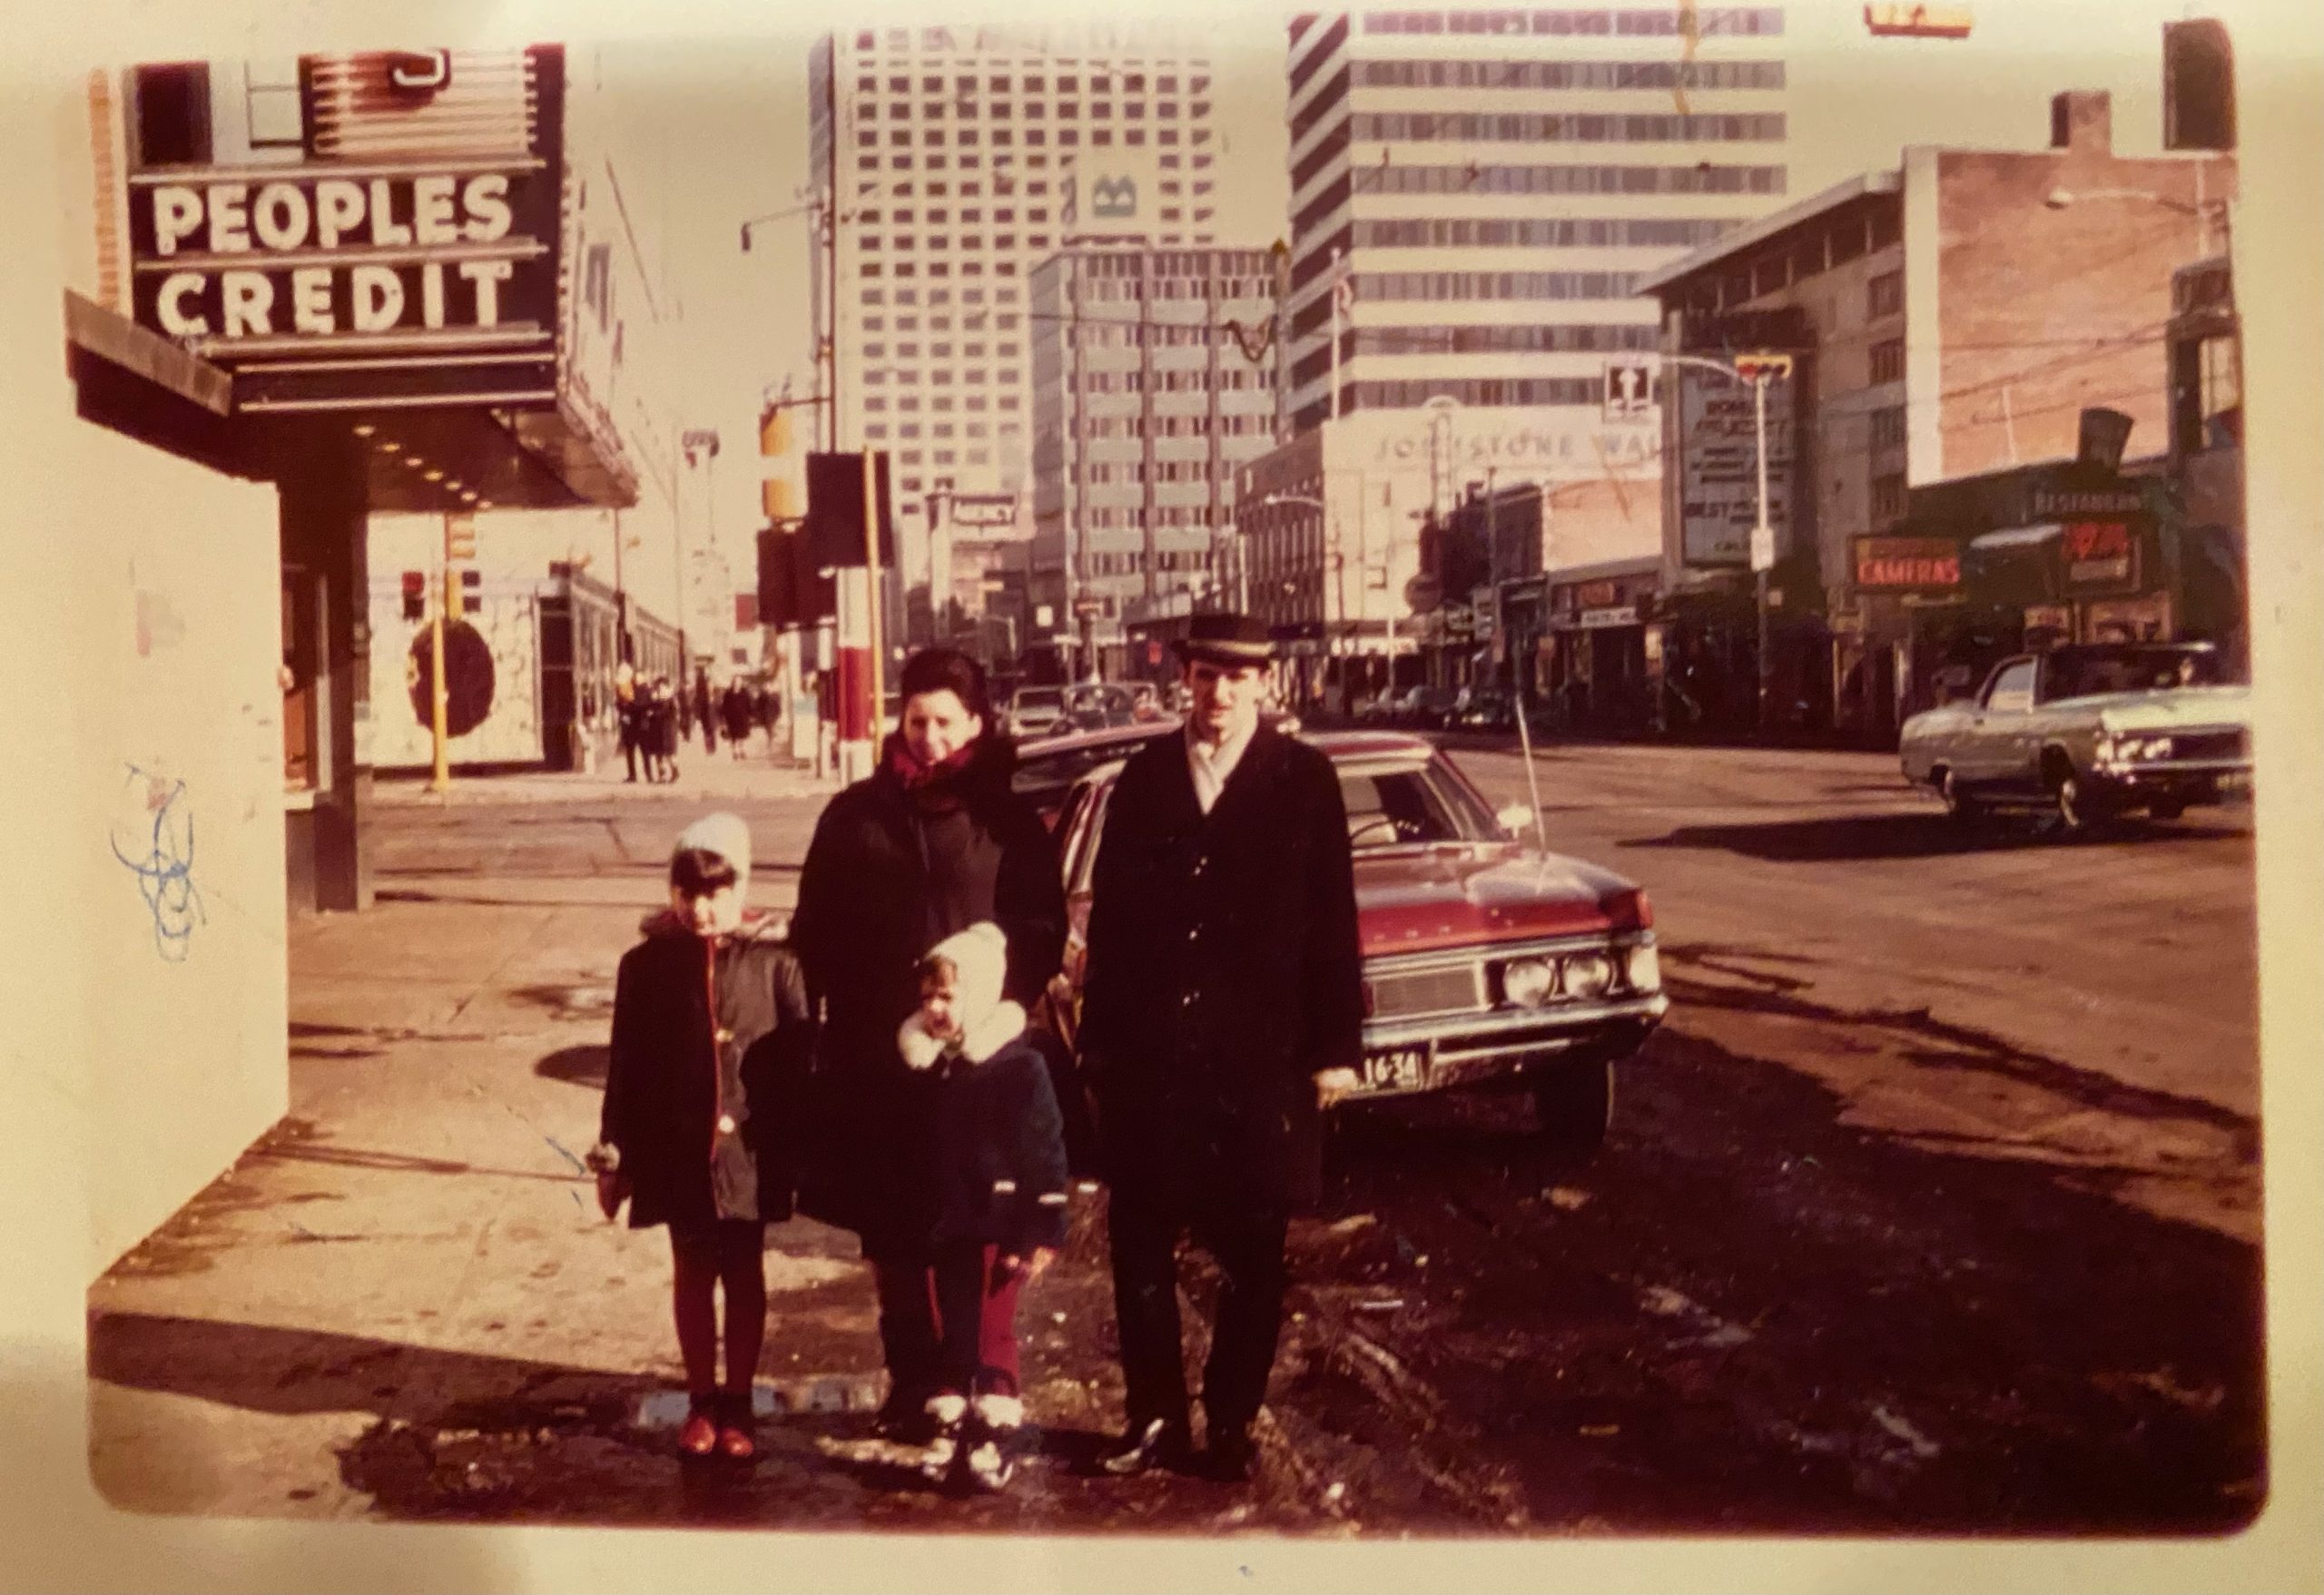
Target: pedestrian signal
[471, 592]
[415, 595]
[1630, 388]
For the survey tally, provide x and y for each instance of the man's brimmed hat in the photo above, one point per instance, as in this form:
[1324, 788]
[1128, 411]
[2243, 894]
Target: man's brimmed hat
[1224, 637]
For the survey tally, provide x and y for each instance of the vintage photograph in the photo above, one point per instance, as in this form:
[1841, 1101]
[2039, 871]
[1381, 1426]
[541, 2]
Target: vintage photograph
[1473, 774]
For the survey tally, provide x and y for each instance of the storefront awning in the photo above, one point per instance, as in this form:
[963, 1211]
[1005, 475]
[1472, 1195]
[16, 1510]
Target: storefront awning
[2016, 539]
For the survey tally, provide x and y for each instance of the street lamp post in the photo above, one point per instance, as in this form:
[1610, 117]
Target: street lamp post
[1758, 371]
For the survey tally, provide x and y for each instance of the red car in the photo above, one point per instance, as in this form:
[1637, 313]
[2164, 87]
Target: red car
[1487, 962]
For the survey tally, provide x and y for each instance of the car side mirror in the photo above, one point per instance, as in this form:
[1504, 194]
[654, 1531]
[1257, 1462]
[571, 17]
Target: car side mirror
[1515, 819]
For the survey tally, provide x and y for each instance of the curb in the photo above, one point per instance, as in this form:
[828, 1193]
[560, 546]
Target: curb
[771, 1398]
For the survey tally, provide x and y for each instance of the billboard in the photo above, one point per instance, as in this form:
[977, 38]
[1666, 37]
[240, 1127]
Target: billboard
[399, 248]
[1718, 465]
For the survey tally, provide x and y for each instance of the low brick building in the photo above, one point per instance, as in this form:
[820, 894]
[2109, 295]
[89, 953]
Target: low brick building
[1950, 317]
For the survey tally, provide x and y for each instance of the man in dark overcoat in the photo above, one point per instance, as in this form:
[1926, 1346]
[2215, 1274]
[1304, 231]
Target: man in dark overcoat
[1223, 1009]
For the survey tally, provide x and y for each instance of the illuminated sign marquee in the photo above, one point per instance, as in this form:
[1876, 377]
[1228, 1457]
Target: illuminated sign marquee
[1893, 19]
[328, 283]
[1900, 564]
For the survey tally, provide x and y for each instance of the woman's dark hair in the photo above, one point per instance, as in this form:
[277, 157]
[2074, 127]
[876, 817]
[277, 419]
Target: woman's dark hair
[698, 872]
[948, 670]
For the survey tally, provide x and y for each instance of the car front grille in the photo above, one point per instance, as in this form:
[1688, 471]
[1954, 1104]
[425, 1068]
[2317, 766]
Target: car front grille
[2210, 745]
[1453, 988]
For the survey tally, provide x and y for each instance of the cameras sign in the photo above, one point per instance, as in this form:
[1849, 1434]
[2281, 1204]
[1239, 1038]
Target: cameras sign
[330, 283]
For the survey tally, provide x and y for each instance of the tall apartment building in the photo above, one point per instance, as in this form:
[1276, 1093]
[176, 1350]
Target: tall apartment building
[955, 159]
[1492, 184]
[1153, 380]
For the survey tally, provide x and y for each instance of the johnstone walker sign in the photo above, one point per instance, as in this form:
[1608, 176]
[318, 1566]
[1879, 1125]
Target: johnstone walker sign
[404, 254]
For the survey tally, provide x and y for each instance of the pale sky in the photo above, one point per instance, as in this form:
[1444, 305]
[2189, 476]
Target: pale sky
[738, 133]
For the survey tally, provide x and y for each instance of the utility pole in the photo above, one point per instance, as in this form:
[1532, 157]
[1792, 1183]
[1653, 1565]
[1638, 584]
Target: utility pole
[439, 707]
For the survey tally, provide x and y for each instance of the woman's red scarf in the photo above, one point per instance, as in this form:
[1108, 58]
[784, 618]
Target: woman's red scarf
[934, 788]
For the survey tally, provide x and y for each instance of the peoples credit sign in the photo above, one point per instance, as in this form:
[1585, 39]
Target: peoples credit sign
[329, 284]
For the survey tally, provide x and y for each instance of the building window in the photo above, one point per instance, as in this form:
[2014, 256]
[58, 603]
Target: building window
[1888, 360]
[1888, 499]
[1884, 295]
[1888, 427]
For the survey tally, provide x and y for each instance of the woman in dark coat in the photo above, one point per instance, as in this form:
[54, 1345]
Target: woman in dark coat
[929, 843]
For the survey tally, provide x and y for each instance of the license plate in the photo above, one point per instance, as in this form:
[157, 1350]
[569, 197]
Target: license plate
[1398, 1069]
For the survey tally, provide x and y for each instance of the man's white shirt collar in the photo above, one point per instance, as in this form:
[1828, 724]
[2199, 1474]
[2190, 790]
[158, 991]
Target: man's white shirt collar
[1211, 766]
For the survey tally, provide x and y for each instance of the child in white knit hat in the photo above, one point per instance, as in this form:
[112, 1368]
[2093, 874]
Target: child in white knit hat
[711, 1027]
[1001, 1192]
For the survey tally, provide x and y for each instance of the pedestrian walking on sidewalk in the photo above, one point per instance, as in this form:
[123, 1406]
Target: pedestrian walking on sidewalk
[663, 723]
[703, 711]
[1223, 1008]
[736, 705]
[629, 719]
[712, 1036]
[1000, 1198]
[931, 842]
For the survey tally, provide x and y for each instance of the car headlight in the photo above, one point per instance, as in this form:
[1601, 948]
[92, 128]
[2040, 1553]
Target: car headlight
[1642, 968]
[1528, 981]
[1589, 975]
[2151, 748]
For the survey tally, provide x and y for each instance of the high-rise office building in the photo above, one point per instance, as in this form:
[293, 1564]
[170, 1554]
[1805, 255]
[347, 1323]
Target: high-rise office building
[951, 160]
[1153, 380]
[1489, 185]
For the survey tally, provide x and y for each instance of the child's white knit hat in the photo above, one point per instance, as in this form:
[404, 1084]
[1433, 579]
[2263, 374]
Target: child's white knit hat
[980, 954]
[724, 834]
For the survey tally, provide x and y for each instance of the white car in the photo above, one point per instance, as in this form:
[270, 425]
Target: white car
[1032, 710]
[2086, 732]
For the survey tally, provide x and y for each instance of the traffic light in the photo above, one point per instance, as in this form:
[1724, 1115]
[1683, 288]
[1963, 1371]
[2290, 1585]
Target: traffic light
[459, 536]
[1763, 367]
[415, 595]
[471, 592]
[774, 431]
[835, 509]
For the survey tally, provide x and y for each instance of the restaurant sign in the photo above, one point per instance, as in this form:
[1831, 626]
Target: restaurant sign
[2099, 556]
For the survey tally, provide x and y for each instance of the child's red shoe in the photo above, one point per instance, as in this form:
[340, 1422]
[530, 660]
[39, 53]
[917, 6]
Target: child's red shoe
[735, 1441]
[699, 1437]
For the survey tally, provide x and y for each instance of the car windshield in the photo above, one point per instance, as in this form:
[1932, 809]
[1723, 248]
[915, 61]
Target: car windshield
[2088, 671]
[1408, 805]
[1045, 775]
[1038, 697]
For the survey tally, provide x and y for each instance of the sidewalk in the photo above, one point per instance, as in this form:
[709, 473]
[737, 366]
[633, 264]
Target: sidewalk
[712, 776]
[402, 1301]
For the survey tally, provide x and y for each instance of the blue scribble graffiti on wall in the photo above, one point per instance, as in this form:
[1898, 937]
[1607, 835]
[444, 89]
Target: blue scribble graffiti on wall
[164, 866]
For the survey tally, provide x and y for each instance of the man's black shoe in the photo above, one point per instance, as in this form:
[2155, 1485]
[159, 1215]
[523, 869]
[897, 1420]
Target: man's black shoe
[904, 1420]
[1155, 1443]
[1229, 1459]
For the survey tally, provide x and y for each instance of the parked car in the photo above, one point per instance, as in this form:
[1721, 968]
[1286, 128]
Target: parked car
[1482, 709]
[1048, 768]
[1431, 708]
[1487, 963]
[1032, 710]
[2086, 732]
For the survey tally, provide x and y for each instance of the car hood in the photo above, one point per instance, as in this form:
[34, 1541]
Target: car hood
[2163, 711]
[1420, 899]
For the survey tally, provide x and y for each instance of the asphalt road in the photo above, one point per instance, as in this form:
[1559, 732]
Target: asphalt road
[1933, 1207]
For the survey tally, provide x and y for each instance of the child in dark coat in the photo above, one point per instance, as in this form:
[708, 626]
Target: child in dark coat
[711, 1028]
[1001, 1180]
